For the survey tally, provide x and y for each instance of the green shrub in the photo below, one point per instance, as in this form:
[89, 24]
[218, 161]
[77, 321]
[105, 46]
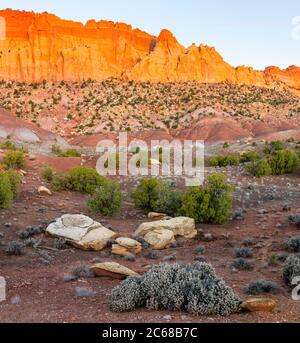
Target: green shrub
[155, 195]
[259, 168]
[224, 161]
[47, 173]
[169, 199]
[146, 194]
[277, 145]
[283, 162]
[250, 156]
[15, 181]
[210, 203]
[14, 160]
[226, 145]
[6, 193]
[69, 153]
[79, 179]
[106, 200]
[7, 145]
[56, 150]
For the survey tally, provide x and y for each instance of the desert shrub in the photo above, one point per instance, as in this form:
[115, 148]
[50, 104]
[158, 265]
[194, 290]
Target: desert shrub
[291, 269]
[82, 272]
[262, 286]
[141, 240]
[169, 199]
[69, 153]
[224, 161]
[259, 168]
[6, 194]
[151, 254]
[226, 145]
[193, 288]
[283, 162]
[106, 199]
[7, 145]
[155, 195]
[293, 244]
[295, 219]
[60, 243]
[146, 194]
[243, 253]
[47, 173]
[14, 180]
[171, 257]
[83, 292]
[242, 264]
[30, 232]
[277, 145]
[7, 190]
[14, 160]
[56, 150]
[200, 249]
[79, 179]
[250, 156]
[15, 248]
[272, 260]
[130, 258]
[210, 203]
[249, 241]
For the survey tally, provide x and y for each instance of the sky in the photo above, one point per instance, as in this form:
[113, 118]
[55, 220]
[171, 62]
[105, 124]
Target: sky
[255, 33]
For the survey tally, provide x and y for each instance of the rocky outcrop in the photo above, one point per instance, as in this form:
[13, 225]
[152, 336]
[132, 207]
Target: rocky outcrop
[43, 46]
[180, 226]
[81, 232]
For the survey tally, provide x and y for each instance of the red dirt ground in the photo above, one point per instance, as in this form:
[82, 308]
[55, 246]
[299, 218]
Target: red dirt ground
[46, 297]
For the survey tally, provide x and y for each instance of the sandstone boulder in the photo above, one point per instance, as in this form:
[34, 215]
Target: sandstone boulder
[126, 246]
[160, 238]
[259, 305]
[81, 231]
[112, 270]
[180, 226]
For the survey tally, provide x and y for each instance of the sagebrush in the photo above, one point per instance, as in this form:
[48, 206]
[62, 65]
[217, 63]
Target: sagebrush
[193, 288]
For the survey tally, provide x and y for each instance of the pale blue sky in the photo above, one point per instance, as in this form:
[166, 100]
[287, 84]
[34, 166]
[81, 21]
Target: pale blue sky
[257, 33]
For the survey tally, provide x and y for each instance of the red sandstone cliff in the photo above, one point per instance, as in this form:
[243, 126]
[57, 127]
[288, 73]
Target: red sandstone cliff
[43, 46]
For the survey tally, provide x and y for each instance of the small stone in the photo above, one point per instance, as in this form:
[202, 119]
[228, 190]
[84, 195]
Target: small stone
[44, 191]
[259, 305]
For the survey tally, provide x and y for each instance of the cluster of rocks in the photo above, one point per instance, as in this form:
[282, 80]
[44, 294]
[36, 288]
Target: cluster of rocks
[87, 234]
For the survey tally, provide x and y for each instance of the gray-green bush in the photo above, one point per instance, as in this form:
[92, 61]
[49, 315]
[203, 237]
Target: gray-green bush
[291, 269]
[195, 289]
[262, 286]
